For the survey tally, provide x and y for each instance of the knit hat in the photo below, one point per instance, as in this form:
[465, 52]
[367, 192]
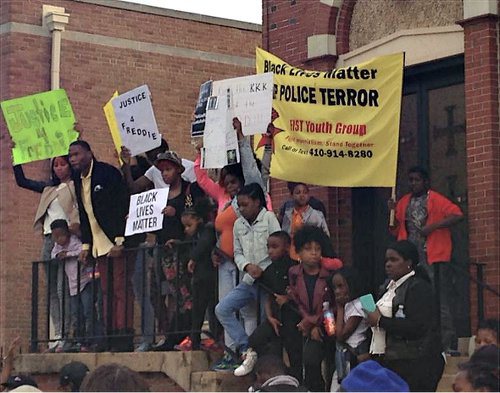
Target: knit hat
[72, 374]
[14, 381]
[171, 156]
[370, 376]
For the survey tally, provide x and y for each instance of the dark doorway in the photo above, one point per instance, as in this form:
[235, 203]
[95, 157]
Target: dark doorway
[432, 134]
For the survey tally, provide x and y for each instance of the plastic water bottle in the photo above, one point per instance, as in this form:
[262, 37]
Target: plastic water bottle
[328, 319]
[400, 313]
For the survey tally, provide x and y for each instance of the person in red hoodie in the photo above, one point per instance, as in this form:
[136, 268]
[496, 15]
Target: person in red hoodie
[424, 217]
[309, 289]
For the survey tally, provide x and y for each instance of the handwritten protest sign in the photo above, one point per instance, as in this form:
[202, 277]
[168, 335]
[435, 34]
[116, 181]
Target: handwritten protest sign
[336, 128]
[136, 120]
[251, 100]
[198, 125]
[220, 142]
[145, 211]
[41, 125]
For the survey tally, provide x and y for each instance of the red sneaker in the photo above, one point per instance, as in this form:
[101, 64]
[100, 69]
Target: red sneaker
[209, 344]
[184, 345]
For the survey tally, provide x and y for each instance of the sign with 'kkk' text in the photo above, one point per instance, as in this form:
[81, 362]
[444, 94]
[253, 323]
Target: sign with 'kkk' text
[336, 128]
[136, 120]
[250, 100]
[145, 211]
[41, 125]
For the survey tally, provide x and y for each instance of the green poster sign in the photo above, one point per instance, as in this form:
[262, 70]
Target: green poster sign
[41, 125]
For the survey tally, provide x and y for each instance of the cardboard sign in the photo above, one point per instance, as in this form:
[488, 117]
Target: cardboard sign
[251, 100]
[144, 213]
[220, 142]
[198, 125]
[136, 120]
[41, 125]
[113, 127]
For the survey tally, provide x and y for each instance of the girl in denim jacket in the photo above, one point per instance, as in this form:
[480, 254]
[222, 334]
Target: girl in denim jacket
[251, 231]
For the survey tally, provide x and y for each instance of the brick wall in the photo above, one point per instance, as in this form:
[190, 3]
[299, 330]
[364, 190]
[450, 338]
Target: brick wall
[286, 26]
[483, 153]
[185, 51]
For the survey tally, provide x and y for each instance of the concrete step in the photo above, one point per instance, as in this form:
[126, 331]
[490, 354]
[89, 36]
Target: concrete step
[178, 366]
[450, 370]
[211, 381]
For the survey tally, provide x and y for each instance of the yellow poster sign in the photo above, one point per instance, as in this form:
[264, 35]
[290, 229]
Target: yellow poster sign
[336, 128]
[113, 126]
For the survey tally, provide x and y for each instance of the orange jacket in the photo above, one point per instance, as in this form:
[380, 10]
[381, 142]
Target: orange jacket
[438, 241]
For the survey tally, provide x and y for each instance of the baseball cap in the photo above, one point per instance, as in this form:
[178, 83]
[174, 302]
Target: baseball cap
[73, 374]
[370, 376]
[14, 381]
[171, 156]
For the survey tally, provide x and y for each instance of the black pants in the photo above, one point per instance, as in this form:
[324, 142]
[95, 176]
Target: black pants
[204, 299]
[265, 341]
[314, 353]
[421, 375]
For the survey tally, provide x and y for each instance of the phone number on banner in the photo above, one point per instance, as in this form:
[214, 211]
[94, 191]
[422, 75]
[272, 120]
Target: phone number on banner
[341, 153]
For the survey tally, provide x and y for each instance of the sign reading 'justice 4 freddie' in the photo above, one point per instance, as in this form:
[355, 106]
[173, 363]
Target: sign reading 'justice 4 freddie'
[41, 125]
[136, 120]
[336, 128]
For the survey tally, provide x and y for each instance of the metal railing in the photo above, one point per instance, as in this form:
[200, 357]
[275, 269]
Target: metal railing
[98, 332]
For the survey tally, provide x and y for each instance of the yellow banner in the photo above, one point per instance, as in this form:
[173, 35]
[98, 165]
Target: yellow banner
[336, 128]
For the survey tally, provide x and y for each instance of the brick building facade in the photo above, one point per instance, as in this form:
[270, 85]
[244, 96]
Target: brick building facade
[106, 46]
[450, 106]
[450, 118]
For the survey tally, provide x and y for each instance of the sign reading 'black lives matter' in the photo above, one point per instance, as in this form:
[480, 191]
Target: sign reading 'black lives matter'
[145, 211]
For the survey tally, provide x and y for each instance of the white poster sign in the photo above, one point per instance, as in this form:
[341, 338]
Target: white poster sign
[220, 142]
[145, 211]
[251, 100]
[136, 120]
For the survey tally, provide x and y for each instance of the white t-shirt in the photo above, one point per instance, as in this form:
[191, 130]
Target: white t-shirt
[354, 309]
[384, 305]
[153, 174]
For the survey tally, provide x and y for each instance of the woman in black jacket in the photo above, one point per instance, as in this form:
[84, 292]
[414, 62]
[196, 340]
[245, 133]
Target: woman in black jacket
[406, 334]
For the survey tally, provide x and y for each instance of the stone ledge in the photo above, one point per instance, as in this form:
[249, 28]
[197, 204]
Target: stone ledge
[176, 365]
[211, 381]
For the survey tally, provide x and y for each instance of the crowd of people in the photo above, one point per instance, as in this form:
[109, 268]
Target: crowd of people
[264, 282]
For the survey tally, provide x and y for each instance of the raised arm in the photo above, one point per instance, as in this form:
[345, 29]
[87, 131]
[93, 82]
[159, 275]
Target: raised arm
[213, 189]
[248, 164]
[22, 181]
[134, 186]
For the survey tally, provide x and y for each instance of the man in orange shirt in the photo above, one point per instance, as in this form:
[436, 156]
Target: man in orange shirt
[424, 217]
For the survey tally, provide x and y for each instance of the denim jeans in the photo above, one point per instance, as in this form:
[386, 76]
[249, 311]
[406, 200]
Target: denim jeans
[142, 291]
[228, 280]
[243, 299]
[58, 288]
[85, 319]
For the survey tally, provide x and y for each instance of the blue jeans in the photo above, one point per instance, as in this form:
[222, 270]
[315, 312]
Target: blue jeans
[85, 319]
[228, 280]
[58, 289]
[142, 291]
[243, 299]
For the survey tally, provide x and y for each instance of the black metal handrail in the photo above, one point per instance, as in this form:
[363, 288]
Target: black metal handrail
[481, 286]
[130, 252]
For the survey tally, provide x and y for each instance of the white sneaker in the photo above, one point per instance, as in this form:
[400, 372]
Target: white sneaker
[250, 358]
